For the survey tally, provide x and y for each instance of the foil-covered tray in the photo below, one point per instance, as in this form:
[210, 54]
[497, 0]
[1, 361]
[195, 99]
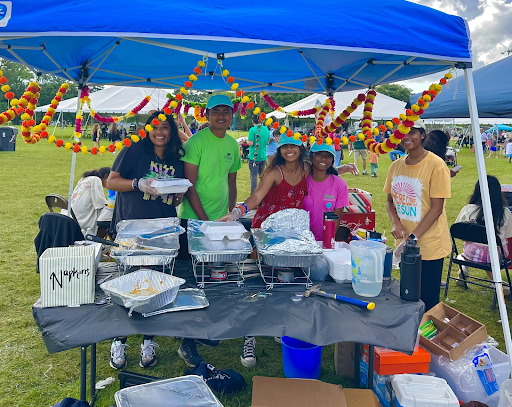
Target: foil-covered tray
[286, 242]
[143, 291]
[287, 219]
[186, 391]
[186, 299]
[206, 250]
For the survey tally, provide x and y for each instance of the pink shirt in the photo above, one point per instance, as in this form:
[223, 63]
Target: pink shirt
[324, 197]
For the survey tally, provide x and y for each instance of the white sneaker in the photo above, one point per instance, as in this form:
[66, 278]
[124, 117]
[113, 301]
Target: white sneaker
[147, 353]
[248, 356]
[118, 355]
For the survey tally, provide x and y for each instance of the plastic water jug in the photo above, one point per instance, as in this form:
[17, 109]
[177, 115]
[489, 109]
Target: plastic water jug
[367, 267]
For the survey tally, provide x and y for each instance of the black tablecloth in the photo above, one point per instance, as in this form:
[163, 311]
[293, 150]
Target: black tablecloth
[392, 324]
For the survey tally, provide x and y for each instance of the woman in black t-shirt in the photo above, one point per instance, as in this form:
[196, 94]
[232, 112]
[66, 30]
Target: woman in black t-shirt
[133, 172]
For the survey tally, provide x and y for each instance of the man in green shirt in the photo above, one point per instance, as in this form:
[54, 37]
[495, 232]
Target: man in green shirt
[258, 139]
[360, 151]
[212, 159]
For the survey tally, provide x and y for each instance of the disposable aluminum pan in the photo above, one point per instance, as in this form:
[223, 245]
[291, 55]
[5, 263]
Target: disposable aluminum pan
[153, 258]
[187, 299]
[186, 391]
[224, 251]
[143, 291]
[295, 260]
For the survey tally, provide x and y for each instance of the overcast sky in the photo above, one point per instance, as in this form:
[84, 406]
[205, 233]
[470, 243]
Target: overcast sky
[490, 23]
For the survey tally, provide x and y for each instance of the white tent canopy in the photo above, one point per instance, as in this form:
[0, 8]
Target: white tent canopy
[116, 99]
[384, 108]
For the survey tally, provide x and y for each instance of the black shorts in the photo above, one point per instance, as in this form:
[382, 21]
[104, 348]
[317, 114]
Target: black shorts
[96, 137]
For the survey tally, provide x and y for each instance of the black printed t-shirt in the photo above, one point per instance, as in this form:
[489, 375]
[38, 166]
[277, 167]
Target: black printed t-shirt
[134, 162]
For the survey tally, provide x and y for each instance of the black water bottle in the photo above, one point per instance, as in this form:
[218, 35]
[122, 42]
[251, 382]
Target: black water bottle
[410, 270]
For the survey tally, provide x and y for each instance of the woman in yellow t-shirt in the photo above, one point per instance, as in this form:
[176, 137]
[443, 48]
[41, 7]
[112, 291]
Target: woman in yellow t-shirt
[417, 187]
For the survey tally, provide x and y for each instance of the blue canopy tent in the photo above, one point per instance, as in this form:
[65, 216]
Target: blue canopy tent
[493, 88]
[286, 46]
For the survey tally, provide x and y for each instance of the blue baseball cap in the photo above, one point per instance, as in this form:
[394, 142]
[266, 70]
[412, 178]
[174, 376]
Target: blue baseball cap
[315, 148]
[284, 139]
[219, 100]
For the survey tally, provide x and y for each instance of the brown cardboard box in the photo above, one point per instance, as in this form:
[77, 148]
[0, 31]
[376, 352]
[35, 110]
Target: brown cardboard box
[344, 354]
[456, 332]
[279, 392]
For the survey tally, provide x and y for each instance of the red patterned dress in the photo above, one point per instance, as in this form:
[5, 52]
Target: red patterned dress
[279, 197]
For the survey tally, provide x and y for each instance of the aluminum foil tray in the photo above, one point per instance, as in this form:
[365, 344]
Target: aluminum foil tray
[137, 227]
[143, 291]
[295, 260]
[186, 391]
[286, 242]
[206, 250]
[148, 259]
[187, 299]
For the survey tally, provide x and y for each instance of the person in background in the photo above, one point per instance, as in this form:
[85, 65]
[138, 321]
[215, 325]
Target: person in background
[257, 140]
[436, 142]
[417, 187]
[360, 151]
[193, 127]
[374, 164]
[502, 218]
[326, 191]
[114, 134]
[212, 160]
[338, 158]
[398, 152]
[132, 175]
[96, 135]
[104, 128]
[122, 132]
[493, 146]
[488, 140]
[508, 149]
[272, 144]
[185, 134]
[483, 140]
[88, 200]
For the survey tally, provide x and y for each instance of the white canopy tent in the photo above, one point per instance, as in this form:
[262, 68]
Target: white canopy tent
[384, 108]
[116, 99]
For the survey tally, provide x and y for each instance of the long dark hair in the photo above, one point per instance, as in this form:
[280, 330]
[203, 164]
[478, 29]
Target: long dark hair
[277, 159]
[174, 148]
[97, 173]
[498, 202]
[330, 170]
[436, 142]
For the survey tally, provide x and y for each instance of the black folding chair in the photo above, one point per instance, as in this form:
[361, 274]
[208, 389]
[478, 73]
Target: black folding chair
[471, 232]
[58, 201]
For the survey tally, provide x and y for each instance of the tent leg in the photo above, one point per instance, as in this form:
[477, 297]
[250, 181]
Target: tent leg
[486, 204]
[73, 162]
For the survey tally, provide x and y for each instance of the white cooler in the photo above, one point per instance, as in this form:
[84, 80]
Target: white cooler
[68, 275]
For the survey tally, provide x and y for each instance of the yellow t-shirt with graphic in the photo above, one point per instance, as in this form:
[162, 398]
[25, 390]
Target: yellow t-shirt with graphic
[412, 187]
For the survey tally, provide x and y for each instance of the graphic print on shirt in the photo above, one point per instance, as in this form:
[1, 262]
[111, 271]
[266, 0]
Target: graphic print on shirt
[80, 188]
[158, 170]
[329, 202]
[406, 193]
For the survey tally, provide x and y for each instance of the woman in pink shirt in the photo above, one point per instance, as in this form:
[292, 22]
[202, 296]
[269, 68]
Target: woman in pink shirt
[326, 191]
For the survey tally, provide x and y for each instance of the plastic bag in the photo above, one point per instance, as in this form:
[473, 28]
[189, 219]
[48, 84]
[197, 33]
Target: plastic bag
[505, 394]
[320, 270]
[397, 254]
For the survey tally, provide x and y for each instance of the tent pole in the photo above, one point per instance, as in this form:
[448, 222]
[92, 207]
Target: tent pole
[486, 206]
[73, 161]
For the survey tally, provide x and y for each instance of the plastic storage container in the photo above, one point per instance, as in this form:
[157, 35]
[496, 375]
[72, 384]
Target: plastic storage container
[220, 230]
[422, 391]
[301, 360]
[367, 267]
[172, 185]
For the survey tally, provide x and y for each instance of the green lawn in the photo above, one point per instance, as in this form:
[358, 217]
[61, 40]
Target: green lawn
[29, 376]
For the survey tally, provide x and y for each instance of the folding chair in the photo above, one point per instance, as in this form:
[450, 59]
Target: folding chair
[471, 232]
[58, 201]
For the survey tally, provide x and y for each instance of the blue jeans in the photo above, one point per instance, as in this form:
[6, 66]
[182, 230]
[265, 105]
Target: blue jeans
[337, 158]
[255, 169]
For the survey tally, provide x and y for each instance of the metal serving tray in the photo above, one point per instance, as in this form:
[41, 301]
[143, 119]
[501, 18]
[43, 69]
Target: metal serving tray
[164, 289]
[290, 260]
[187, 299]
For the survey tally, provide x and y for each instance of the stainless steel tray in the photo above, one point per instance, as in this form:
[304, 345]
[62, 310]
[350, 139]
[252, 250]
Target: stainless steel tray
[186, 299]
[163, 290]
[147, 259]
[289, 260]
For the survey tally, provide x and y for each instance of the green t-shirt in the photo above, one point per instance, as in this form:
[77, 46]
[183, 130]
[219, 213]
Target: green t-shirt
[215, 158]
[264, 136]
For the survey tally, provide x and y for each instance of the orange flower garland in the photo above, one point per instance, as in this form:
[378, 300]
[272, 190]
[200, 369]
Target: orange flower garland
[407, 120]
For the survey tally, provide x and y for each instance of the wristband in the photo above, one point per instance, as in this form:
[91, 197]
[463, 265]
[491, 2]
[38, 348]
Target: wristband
[242, 208]
[135, 184]
[245, 206]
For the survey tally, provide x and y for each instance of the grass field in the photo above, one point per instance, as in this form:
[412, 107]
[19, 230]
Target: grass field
[29, 376]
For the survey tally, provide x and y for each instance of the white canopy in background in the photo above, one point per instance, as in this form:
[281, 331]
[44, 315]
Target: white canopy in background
[116, 99]
[384, 108]
[483, 122]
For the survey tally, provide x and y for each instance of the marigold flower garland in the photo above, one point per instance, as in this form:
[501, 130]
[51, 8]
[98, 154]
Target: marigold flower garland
[406, 121]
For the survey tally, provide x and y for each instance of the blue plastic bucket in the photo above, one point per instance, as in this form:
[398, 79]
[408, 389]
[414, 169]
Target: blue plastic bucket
[301, 360]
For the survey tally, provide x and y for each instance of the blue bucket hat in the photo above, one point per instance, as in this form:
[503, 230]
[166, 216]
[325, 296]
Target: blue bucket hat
[284, 139]
[219, 100]
[315, 148]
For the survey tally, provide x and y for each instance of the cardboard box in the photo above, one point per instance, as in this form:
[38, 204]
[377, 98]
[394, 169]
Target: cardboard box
[355, 221]
[390, 362]
[279, 392]
[344, 359]
[456, 332]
